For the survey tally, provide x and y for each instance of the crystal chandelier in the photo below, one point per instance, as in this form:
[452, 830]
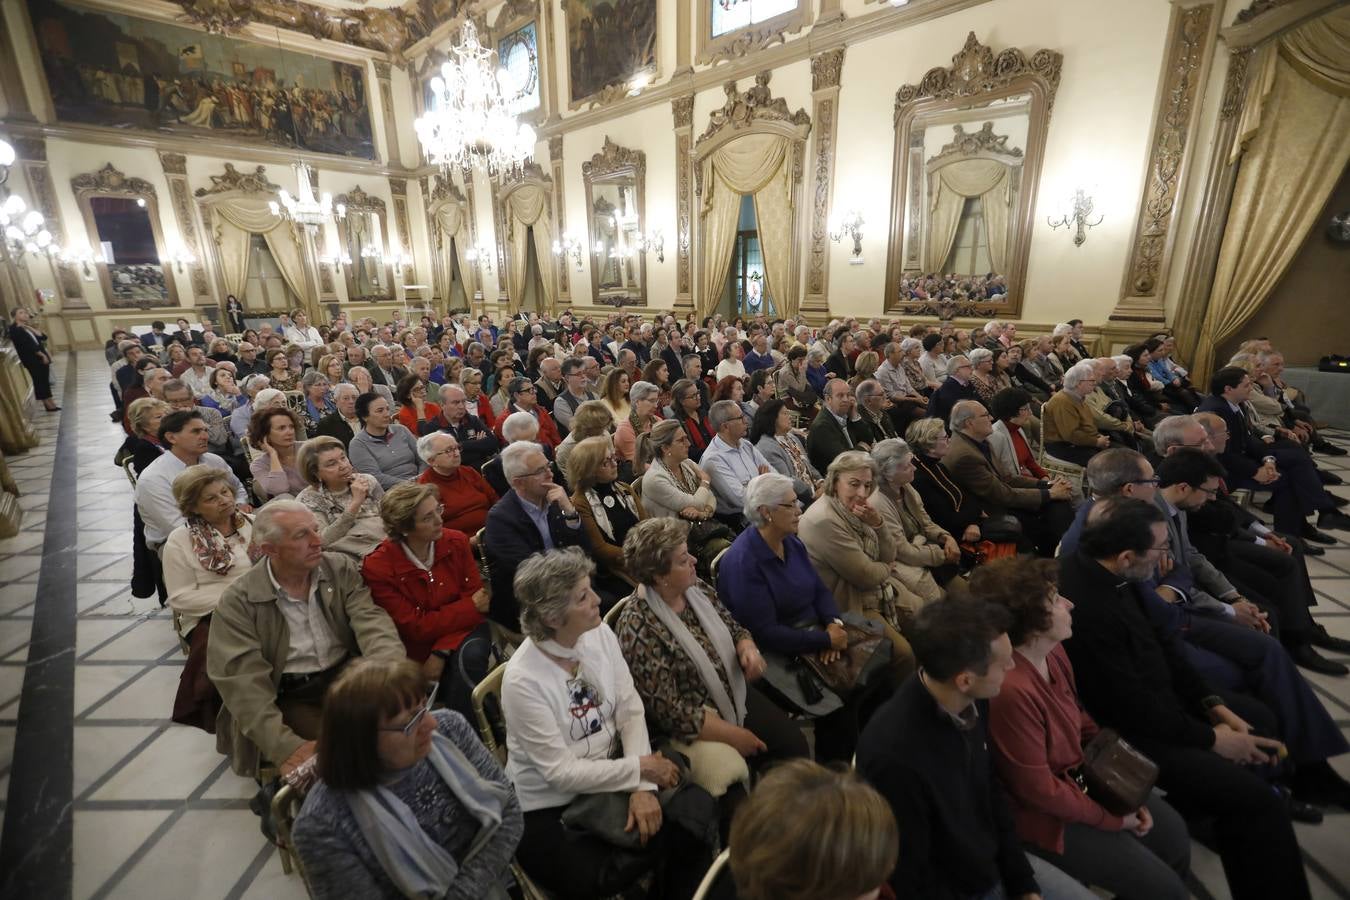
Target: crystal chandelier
[305, 209]
[25, 230]
[470, 122]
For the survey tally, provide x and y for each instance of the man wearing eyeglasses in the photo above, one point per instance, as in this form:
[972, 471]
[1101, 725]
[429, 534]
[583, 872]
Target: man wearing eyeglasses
[731, 460]
[280, 635]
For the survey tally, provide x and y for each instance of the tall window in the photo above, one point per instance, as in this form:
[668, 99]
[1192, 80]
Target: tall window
[970, 250]
[732, 15]
[746, 287]
[264, 287]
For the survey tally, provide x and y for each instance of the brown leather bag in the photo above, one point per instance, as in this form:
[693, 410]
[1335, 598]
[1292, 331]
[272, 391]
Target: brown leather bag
[868, 650]
[1116, 775]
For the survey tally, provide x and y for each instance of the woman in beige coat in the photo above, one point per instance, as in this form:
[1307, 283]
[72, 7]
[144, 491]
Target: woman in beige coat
[853, 551]
[926, 555]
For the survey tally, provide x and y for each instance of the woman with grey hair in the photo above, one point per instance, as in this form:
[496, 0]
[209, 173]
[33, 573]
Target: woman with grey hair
[853, 551]
[575, 727]
[643, 403]
[958, 512]
[982, 375]
[693, 665]
[315, 402]
[346, 502]
[926, 555]
[768, 582]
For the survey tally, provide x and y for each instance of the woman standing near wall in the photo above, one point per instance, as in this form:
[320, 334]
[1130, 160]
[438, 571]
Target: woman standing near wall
[31, 345]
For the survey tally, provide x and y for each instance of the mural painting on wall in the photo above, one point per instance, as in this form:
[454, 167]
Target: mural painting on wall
[608, 42]
[119, 71]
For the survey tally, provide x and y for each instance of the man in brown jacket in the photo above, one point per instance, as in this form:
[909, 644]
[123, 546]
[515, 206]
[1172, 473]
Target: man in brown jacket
[280, 635]
[1067, 426]
[1041, 506]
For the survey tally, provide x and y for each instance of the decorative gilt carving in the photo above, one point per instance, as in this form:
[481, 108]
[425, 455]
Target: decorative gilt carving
[683, 204]
[443, 188]
[750, 41]
[173, 163]
[820, 205]
[1170, 138]
[512, 11]
[254, 182]
[357, 200]
[608, 95]
[555, 147]
[683, 110]
[382, 70]
[182, 208]
[108, 180]
[612, 158]
[386, 30]
[1257, 9]
[756, 104]
[826, 68]
[964, 143]
[529, 171]
[44, 198]
[216, 16]
[1235, 81]
[976, 70]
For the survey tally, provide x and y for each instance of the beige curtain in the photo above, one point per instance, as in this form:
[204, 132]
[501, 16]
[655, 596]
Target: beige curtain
[773, 214]
[746, 165]
[251, 215]
[234, 249]
[952, 185]
[527, 205]
[452, 222]
[284, 244]
[997, 205]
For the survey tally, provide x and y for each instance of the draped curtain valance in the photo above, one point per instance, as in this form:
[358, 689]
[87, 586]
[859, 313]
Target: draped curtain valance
[527, 208]
[237, 219]
[952, 185]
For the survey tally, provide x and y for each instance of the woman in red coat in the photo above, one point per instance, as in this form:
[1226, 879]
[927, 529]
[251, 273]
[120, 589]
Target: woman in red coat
[425, 577]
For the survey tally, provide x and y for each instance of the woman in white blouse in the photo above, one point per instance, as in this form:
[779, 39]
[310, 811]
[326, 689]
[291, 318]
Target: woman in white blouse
[205, 554]
[575, 726]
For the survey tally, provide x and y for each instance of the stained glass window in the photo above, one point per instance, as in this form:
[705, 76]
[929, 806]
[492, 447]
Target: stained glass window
[518, 54]
[732, 15]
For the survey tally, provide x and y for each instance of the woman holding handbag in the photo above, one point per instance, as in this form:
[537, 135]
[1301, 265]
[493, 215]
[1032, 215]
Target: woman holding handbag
[1039, 731]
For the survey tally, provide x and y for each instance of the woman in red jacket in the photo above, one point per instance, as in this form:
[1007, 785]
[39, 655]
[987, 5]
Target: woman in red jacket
[425, 577]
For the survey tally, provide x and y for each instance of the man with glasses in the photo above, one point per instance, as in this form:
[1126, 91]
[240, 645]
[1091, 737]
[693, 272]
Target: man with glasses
[279, 636]
[533, 516]
[956, 387]
[575, 391]
[524, 398]
[731, 461]
[1067, 426]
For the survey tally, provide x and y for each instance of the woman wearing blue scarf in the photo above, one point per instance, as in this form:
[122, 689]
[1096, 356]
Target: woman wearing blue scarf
[409, 802]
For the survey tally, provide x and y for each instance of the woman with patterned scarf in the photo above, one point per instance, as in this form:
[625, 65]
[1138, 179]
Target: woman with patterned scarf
[202, 557]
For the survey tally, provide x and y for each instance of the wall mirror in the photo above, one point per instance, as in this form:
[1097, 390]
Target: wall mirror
[364, 237]
[615, 184]
[121, 217]
[969, 144]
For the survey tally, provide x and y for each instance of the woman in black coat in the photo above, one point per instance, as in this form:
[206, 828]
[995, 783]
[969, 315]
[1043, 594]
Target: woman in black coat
[31, 345]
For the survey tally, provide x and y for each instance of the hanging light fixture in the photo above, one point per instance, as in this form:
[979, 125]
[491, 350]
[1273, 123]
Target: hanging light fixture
[25, 229]
[305, 209]
[471, 123]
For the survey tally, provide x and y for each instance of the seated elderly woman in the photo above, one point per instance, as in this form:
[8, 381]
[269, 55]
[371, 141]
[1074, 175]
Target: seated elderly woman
[466, 496]
[692, 663]
[845, 848]
[643, 403]
[926, 556]
[409, 803]
[202, 557]
[275, 433]
[414, 412]
[592, 418]
[608, 507]
[771, 433]
[383, 448]
[425, 577]
[1038, 729]
[317, 401]
[575, 727]
[957, 512]
[853, 551]
[345, 501]
[686, 407]
[769, 584]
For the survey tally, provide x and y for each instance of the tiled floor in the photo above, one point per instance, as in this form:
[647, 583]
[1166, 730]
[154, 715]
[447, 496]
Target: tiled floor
[155, 810]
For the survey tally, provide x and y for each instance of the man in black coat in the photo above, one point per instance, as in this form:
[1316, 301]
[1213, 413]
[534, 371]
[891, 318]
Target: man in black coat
[953, 390]
[1138, 681]
[834, 429]
[518, 522]
[342, 424]
[477, 443]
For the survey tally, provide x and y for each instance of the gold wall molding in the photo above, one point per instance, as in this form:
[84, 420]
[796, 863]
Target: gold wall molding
[180, 196]
[254, 182]
[682, 111]
[826, 70]
[1191, 37]
[398, 189]
[32, 154]
[555, 156]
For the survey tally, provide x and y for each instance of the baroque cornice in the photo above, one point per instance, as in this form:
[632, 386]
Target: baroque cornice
[613, 158]
[976, 70]
[743, 109]
[108, 180]
[254, 182]
[749, 42]
[358, 200]
[443, 189]
[173, 163]
[826, 69]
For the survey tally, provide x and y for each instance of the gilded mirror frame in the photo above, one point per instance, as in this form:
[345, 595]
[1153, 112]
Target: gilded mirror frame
[109, 182]
[977, 75]
[616, 165]
[358, 201]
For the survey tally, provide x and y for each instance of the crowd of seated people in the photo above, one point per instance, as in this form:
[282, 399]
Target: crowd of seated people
[953, 557]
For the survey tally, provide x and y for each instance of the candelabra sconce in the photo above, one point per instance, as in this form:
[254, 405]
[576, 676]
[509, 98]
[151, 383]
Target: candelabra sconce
[336, 259]
[182, 259]
[1080, 218]
[654, 241]
[569, 246]
[849, 226]
[24, 229]
[401, 260]
[481, 256]
[85, 260]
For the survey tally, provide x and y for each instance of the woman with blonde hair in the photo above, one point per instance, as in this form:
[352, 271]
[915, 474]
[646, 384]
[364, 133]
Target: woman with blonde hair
[608, 507]
[345, 501]
[864, 367]
[591, 419]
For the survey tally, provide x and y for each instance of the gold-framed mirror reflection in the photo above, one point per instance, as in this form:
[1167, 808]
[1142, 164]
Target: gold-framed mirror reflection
[615, 181]
[121, 218]
[363, 236]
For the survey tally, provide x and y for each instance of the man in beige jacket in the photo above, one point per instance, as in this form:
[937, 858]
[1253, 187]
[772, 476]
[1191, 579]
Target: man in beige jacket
[280, 635]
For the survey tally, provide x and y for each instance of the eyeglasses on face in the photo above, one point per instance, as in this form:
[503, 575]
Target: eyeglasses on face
[408, 729]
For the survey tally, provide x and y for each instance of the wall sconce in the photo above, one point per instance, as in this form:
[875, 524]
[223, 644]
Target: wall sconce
[85, 260]
[182, 258]
[1078, 218]
[336, 259]
[7, 157]
[24, 229]
[654, 240]
[851, 226]
[401, 260]
[480, 256]
[569, 246]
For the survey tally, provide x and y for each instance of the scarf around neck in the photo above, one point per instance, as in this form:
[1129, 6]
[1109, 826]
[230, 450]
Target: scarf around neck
[731, 707]
[602, 517]
[212, 548]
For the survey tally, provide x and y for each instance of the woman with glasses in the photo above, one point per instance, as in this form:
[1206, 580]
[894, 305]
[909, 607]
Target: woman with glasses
[576, 728]
[465, 494]
[425, 577]
[477, 402]
[686, 404]
[644, 401]
[415, 413]
[346, 502]
[608, 507]
[409, 803]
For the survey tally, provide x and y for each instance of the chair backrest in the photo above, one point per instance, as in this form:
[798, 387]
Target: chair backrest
[130, 470]
[714, 870]
[487, 709]
[612, 617]
[716, 564]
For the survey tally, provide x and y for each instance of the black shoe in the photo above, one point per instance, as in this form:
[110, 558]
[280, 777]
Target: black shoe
[52, 408]
[1330, 479]
[1305, 656]
[1329, 448]
[1320, 784]
[1320, 638]
[1332, 519]
[1299, 810]
[1312, 534]
[1340, 502]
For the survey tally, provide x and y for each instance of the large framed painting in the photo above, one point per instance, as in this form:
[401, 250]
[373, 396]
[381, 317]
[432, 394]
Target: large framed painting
[608, 42]
[119, 71]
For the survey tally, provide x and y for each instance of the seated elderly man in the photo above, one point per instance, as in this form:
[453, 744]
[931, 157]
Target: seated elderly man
[1068, 429]
[519, 426]
[342, 422]
[874, 412]
[1040, 505]
[477, 443]
[836, 429]
[523, 396]
[180, 397]
[1110, 410]
[534, 515]
[575, 390]
[731, 460]
[280, 635]
[465, 496]
[957, 387]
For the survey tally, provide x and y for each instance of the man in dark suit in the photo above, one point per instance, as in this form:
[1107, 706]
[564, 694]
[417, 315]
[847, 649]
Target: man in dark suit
[382, 369]
[1288, 472]
[954, 389]
[156, 339]
[343, 423]
[534, 516]
[477, 443]
[186, 335]
[834, 429]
